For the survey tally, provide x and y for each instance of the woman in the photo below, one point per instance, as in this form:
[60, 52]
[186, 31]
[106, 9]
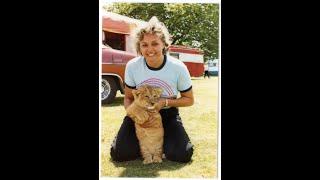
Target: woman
[156, 68]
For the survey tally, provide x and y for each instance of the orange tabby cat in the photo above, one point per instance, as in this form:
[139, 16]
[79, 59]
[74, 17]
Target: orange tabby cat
[148, 122]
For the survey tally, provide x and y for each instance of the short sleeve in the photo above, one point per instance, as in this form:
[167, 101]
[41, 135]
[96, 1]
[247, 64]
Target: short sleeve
[184, 80]
[128, 76]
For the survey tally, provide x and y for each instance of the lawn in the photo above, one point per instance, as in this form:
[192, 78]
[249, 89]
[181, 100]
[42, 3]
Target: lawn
[200, 122]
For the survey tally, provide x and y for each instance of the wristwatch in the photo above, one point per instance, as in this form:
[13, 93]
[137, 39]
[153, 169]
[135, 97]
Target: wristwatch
[166, 103]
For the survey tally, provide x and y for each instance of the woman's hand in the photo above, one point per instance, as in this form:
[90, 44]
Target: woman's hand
[160, 104]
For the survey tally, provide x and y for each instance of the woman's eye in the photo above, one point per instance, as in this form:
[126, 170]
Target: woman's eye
[143, 45]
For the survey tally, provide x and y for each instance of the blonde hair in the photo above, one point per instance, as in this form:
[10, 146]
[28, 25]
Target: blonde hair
[154, 26]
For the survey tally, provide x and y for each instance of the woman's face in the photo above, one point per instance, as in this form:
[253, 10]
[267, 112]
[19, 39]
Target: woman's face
[151, 47]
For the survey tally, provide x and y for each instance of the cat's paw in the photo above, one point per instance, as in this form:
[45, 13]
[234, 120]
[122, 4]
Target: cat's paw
[147, 161]
[140, 120]
[157, 159]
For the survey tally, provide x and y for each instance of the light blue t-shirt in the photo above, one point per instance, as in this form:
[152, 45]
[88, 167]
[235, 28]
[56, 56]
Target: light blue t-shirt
[172, 76]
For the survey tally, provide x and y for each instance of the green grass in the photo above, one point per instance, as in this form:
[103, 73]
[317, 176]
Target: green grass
[200, 122]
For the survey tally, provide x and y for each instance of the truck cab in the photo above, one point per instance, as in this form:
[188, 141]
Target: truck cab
[113, 67]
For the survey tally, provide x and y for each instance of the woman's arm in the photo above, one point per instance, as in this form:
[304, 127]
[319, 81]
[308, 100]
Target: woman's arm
[128, 97]
[186, 99]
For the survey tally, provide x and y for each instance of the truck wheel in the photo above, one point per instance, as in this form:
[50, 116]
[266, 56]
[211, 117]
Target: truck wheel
[108, 90]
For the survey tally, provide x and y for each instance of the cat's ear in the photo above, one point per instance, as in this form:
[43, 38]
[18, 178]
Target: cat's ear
[159, 91]
[135, 93]
[143, 88]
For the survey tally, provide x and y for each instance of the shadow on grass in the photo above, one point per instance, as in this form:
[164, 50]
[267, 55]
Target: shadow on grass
[118, 101]
[137, 169]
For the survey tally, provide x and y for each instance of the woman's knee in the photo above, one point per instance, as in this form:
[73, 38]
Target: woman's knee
[120, 157]
[125, 145]
[113, 154]
[183, 155]
[120, 154]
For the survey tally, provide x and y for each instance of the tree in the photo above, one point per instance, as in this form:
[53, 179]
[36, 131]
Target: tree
[193, 25]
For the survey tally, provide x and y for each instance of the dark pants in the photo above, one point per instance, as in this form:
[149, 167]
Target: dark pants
[206, 73]
[176, 145]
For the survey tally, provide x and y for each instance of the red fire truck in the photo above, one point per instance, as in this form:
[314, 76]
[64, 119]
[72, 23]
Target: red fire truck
[118, 50]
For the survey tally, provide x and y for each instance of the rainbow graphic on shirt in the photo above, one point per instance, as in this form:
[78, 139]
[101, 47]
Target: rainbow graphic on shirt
[167, 89]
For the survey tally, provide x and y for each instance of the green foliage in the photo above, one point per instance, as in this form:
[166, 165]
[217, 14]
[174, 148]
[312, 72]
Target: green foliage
[193, 25]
